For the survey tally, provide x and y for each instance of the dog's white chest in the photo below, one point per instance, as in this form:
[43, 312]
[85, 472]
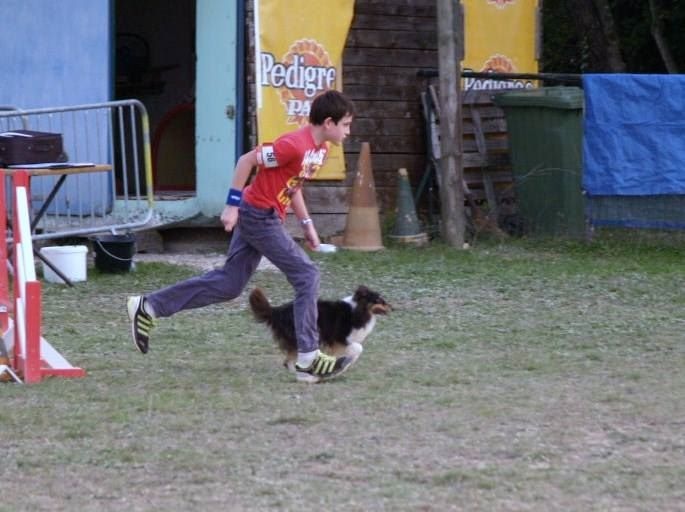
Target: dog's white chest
[359, 335]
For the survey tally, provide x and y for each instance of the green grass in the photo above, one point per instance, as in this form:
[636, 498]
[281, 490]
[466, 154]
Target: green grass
[515, 376]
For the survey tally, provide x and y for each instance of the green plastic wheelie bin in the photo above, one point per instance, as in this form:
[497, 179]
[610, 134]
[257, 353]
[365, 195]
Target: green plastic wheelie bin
[545, 141]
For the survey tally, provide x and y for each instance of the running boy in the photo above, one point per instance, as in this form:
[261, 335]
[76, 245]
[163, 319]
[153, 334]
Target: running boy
[255, 214]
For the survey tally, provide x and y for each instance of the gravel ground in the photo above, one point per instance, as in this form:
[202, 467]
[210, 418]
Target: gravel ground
[201, 261]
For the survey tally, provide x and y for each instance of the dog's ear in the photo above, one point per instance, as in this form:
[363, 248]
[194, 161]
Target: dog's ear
[362, 291]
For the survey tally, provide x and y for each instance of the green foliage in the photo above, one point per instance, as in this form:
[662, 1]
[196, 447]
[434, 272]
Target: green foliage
[563, 49]
[561, 46]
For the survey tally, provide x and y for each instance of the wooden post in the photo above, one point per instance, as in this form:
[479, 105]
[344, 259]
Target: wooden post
[450, 54]
[33, 313]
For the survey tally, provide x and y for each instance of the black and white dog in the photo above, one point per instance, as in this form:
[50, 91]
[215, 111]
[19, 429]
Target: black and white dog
[343, 324]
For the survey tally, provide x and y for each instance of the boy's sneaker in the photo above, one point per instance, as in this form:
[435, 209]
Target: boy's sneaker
[141, 322]
[324, 367]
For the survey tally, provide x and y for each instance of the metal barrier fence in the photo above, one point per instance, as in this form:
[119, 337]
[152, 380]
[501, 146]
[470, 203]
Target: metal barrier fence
[113, 195]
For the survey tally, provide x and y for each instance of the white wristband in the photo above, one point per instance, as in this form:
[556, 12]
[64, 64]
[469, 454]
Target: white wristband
[306, 221]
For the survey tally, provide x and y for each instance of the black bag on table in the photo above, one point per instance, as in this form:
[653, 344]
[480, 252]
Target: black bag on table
[30, 147]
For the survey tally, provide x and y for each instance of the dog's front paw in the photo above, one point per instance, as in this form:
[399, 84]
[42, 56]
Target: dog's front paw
[354, 350]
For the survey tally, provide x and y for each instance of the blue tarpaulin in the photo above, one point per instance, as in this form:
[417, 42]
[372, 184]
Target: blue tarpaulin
[634, 135]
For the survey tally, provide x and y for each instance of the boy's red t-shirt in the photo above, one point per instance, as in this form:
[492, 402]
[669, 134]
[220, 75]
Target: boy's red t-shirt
[284, 166]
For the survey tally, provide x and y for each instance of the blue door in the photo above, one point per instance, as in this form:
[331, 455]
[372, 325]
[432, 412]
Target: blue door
[216, 102]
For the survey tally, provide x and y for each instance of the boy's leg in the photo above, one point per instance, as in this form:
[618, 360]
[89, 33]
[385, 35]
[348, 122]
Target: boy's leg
[218, 285]
[215, 286]
[304, 277]
[271, 239]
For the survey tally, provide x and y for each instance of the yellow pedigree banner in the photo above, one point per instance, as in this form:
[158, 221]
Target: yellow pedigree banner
[299, 55]
[500, 36]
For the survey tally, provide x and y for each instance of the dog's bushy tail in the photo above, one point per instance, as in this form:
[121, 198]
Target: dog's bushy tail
[261, 308]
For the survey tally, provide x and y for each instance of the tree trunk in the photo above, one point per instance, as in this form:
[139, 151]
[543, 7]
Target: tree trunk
[659, 39]
[595, 27]
[613, 47]
[450, 43]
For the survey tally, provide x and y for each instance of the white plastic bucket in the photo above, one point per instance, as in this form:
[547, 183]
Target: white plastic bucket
[69, 259]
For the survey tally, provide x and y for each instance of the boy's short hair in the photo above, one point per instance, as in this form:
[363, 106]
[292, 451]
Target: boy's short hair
[331, 103]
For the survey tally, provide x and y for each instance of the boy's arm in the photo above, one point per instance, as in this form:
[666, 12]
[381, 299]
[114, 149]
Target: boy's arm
[300, 210]
[243, 169]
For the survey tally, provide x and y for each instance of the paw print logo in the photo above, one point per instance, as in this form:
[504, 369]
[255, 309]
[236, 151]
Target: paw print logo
[315, 73]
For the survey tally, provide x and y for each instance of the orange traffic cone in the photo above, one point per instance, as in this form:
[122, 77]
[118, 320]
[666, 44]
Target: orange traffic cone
[407, 228]
[363, 227]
